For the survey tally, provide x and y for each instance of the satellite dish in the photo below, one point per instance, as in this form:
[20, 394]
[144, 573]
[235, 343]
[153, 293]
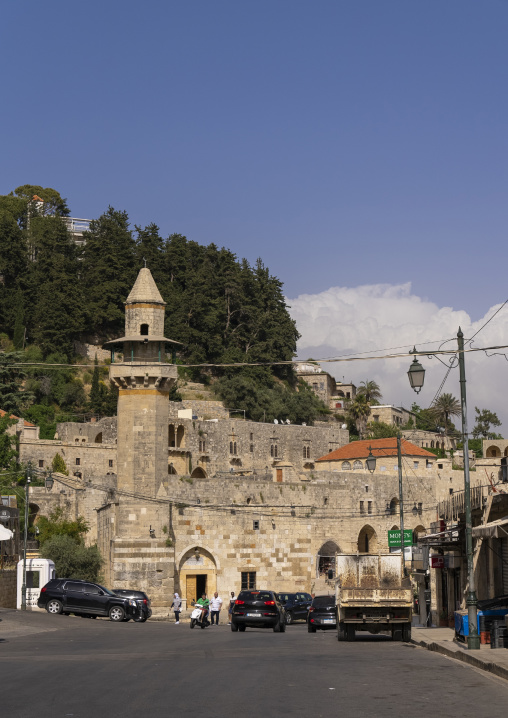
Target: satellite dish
[275, 421]
[344, 426]
[288, 422]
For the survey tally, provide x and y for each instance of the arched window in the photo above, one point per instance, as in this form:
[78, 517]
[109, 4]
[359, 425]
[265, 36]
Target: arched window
[198, 473]
[357, 466]
[367, 540]
[493, 452]
[143, 330]
[273, 451]
[306, 452]
[98, 438]
[171, 435]
[346, 466]
[432, 445]
[394, 506]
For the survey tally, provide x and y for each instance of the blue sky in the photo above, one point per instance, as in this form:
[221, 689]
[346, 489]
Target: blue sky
[346, 143]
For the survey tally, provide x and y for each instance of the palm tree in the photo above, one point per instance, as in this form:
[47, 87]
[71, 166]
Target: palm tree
[445, 407]
[359, 412]
[370, 390]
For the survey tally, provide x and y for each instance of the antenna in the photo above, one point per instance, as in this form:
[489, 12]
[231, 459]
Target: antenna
[144, 260]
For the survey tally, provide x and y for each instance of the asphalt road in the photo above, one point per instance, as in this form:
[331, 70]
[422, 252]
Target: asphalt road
[67, 667]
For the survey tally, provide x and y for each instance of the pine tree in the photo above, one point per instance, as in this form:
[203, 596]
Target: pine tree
[19, 322]
[58, 465]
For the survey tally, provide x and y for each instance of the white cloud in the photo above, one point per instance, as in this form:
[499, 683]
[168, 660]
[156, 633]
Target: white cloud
[345, 320]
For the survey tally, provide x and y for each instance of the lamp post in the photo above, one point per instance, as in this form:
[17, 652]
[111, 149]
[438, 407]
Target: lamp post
[416, 379]
[25, 534]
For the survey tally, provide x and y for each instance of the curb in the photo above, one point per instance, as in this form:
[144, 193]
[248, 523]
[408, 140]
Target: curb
[470, 659]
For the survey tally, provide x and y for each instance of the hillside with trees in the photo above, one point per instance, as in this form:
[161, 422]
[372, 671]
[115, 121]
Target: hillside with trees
[54, 294]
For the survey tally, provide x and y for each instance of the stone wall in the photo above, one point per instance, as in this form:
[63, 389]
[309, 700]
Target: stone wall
[89, 460]
[92, 432]
[8, 588]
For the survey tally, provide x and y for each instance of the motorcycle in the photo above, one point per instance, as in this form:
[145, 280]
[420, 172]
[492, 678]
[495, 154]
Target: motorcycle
[199, 616]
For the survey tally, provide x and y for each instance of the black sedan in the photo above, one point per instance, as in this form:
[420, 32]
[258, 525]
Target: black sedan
[258, 609]
[322, 614]
[296, 606]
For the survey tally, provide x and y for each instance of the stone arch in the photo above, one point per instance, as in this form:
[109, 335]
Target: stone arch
[493, 452]
[357, 465]
[197, 572]
[326, 559]
[346, 466]
[171, 469]
[198, 473]
[143, 330]
[367, 540]
[98, 438]
[394, 506]
[432, 445]
[419, 530]
[506, 451]
[341, 393]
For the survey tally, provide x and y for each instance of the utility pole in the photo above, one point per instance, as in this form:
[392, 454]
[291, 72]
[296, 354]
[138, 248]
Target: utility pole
[473, 639]
[401, 503]
[25, 534]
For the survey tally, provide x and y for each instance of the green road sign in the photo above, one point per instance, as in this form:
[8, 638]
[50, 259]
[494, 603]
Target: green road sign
[394, 538]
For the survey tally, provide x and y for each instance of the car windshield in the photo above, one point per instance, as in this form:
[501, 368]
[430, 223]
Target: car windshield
[323, 601]
[286, 597]
[304, 596]
[255, 596]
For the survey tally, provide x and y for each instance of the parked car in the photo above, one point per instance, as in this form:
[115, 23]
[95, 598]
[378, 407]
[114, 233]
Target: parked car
[258, 609]
[83, 598]
[322, 614]
[144, 603]
[296, 606]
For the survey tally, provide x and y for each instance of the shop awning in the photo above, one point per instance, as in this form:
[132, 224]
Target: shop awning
[494, 529]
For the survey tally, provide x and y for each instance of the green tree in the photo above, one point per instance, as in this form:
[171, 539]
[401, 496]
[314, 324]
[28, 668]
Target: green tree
[13, 269]
[108, 271]
[8, 451]
[445, 407]
[19, 322]
[359, 412]
[95, 399]
[484, 420]
[371, 391]
[56, 524]
[13, 397]
[72, 558]
[380, 430]
[58, 465]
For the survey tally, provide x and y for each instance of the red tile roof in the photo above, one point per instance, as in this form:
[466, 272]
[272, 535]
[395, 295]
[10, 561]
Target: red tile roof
[380, 448]
[12, 416]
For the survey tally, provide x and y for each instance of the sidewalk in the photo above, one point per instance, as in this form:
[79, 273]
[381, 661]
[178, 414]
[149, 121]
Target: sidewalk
[442, 640]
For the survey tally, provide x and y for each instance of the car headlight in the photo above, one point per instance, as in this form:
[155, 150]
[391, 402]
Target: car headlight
[132, 603]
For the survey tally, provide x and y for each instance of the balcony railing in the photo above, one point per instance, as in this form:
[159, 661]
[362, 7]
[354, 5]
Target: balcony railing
[452, 508]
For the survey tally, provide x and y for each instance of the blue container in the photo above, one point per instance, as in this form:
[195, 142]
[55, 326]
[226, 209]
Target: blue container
[462, 619]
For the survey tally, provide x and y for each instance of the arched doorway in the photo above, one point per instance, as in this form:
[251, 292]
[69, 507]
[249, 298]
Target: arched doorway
[197, 574]
[493, 452]
[326, 559]
[198, 473]
[367, 540]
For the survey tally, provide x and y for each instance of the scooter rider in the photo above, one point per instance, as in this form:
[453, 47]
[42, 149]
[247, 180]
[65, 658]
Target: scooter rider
[204, 602]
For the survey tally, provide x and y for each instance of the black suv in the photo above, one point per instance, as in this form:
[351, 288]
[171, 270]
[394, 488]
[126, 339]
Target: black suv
[258, 609]
[322, 613]
[296, 606]
[70, 595]
[144, 603]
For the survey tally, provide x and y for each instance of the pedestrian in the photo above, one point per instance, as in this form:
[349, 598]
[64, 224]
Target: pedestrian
[177, 607]
[231, 604]
[215, 607]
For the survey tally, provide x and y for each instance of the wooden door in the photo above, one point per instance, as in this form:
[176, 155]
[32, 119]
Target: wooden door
[279, 476]
[190, 589]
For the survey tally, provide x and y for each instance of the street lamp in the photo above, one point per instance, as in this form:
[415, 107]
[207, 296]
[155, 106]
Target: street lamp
[49, 481]
[416, 374]
[473, 639]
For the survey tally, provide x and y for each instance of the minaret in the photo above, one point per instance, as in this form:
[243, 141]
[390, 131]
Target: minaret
[143, 379]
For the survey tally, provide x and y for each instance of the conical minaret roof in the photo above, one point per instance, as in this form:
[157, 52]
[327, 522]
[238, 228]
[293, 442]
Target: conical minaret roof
[145, 290]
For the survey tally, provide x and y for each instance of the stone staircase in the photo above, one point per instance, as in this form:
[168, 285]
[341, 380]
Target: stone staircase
[323, 587]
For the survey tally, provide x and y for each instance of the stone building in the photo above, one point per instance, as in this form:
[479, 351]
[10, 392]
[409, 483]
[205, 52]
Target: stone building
[186, 498]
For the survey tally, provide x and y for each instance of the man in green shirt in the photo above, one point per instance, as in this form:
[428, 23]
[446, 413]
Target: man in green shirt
[204, 602]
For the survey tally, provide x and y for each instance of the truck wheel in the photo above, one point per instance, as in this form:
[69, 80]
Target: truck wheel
[341, 632]
[396, 633]
[406, 633]
[350, 633]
